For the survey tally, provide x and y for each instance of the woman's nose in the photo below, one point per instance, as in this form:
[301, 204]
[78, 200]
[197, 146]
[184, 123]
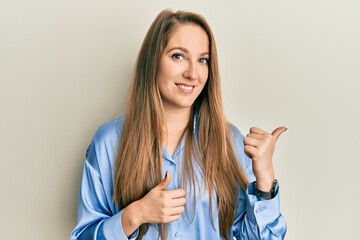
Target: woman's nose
[191, 71]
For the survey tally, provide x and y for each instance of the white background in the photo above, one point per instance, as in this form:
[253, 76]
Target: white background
[65, 68]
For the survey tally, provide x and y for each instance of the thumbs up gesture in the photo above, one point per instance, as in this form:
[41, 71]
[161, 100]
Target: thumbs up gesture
[260, 146]
[161, 205]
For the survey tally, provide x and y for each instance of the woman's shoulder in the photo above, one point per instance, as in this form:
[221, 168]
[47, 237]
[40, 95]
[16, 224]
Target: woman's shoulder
[236, 135]
[109, 130]
[103, 147]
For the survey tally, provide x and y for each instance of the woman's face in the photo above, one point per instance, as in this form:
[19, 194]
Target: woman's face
[183, 69]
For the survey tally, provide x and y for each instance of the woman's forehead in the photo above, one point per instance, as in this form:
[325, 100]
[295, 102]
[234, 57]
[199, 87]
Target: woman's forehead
[189, 36]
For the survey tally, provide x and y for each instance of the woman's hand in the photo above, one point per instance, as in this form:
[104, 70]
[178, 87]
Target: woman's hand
[157, 206]
[161, 205]
[260, 145]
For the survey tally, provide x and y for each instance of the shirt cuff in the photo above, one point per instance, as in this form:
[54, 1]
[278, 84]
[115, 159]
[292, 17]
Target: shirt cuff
[113, 230]
[261, 211]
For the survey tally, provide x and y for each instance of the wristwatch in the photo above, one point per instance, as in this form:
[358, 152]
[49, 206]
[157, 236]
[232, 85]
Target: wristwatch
[267, 195]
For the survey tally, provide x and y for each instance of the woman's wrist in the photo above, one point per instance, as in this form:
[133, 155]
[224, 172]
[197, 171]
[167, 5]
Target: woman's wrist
[131, 218]
[265, 185]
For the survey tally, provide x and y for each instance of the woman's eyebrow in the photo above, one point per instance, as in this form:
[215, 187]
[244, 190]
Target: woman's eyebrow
[179, 48]
[186, 51]
[204, 54]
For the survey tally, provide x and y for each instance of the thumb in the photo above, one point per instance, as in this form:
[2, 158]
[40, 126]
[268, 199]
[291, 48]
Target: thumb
[277, 132]
[165, 182]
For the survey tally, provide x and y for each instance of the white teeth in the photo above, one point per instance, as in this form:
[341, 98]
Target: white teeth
[185, 87]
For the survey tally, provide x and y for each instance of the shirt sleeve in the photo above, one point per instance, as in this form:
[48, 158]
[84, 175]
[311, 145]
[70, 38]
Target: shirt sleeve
[255, 218]
[96, 219]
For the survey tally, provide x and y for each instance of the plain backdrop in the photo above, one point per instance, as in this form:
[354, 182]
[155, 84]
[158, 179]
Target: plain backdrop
[65, 68]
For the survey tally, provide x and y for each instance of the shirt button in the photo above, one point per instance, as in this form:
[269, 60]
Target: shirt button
[178, 235]
[259, 210]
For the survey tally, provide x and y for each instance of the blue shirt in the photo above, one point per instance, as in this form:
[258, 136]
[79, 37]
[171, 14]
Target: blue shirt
[99, 218]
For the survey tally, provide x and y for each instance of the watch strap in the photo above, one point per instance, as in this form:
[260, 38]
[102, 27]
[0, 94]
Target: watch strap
[267, 195]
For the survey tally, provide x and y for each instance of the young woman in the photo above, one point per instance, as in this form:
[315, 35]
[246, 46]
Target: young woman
[172, 167]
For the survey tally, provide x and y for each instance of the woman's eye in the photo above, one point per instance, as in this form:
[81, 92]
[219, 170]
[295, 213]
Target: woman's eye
[177, 56]
[204, 60]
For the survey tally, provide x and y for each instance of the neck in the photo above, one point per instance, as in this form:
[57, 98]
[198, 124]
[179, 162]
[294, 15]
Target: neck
[175, 124]
[176, 120]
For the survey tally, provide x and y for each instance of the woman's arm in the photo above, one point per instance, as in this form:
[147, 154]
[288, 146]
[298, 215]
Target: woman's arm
[95, 218]
[98, 218]
[255, 218]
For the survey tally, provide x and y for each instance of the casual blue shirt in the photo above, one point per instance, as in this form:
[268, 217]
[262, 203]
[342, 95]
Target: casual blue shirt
[99, 218]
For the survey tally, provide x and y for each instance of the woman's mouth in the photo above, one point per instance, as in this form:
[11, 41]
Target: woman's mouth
[185, 88]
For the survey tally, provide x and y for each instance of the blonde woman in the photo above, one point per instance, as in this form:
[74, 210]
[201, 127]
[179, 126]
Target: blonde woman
[172, 167]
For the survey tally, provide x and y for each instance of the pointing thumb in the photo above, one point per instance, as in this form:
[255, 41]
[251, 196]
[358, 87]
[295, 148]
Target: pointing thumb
[277, 132]
[165, 182]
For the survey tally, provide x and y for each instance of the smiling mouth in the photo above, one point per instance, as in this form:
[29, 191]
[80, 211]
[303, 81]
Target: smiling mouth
[185, 87]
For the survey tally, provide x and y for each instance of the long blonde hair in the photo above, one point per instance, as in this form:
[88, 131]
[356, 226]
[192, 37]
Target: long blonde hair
[139, 157]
